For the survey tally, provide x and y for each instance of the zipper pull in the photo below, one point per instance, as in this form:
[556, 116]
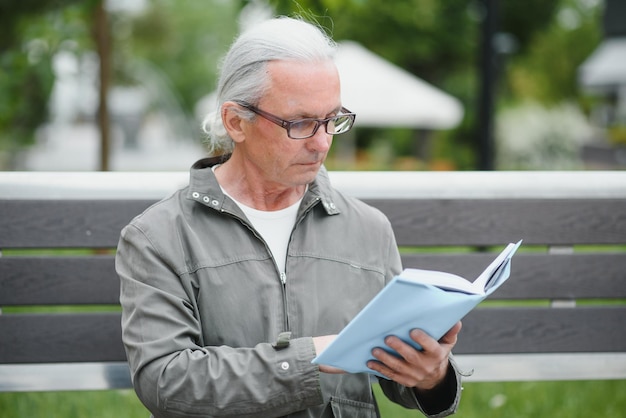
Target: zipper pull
[283, 278]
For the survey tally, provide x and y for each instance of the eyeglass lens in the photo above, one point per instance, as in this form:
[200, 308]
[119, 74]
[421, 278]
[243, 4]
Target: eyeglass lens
[307, 127]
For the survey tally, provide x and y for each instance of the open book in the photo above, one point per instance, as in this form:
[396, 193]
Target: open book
[429, 300]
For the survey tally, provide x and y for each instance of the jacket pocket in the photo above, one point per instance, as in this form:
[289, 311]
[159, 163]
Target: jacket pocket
[346, 408]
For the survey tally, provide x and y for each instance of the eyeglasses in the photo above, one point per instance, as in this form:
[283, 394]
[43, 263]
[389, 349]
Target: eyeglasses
[307, 127]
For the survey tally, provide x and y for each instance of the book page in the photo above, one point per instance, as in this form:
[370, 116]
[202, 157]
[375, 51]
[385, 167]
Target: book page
[442, 280]
[490, 276]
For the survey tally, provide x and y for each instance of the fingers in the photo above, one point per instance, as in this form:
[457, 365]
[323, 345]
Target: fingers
[429, 344]
[320, 343]
[412, 367]
[330, 369]
[391, 367]
[451, 336]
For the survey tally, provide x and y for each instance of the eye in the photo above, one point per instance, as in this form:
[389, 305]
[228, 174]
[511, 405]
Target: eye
[303, 124]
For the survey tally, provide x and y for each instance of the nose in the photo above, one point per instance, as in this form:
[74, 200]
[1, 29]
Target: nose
[320, 141]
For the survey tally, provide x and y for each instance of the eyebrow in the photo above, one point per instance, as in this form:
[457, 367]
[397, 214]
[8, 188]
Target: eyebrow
[335, 111]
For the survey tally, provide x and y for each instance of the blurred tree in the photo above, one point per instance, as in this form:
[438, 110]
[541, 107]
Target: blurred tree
[31, 32]
[439, 42]
[436, 41]
[181, 39]
[547, 70]
[516, 19]
[14, 15]
[429, 38]
[178, 42]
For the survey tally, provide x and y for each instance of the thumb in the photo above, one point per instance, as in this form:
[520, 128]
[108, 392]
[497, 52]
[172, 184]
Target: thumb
[450, 337]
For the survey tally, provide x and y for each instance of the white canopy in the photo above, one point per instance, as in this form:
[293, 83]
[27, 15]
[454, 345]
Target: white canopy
[605, 69]
[382, 94]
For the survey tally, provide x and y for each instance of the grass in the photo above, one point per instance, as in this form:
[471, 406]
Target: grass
[96, 404]
[534, 399]
[494, 400]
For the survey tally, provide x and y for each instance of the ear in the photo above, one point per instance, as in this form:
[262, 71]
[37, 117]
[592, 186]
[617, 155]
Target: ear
[233, 122]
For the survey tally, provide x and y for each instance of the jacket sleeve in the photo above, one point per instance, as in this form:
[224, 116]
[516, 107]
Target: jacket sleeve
[174, 375]
[444, 400]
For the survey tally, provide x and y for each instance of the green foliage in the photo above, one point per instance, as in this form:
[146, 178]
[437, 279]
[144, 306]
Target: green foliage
[516, 20]
[31, 33]
[181, 42]
[184, 40]
[429, 38]
[17, 17]
[25, 82]
[547, 71]
[440, 42]
[617, 135]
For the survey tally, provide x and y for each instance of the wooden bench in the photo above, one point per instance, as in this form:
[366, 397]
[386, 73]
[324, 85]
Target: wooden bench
[561, 315]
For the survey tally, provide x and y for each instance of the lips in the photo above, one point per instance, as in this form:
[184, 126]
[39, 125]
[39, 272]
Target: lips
[311, 163]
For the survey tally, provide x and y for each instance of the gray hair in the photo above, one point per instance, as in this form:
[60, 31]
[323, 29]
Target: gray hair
[243, 74]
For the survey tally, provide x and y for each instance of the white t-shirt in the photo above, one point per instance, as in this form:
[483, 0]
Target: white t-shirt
[274, 226]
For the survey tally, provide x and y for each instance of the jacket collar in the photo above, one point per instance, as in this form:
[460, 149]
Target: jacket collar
[204, 188]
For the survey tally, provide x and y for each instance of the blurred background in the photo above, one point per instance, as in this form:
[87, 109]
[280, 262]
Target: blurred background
[437, 85]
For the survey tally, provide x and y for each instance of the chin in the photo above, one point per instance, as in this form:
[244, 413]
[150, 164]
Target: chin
[307, 175]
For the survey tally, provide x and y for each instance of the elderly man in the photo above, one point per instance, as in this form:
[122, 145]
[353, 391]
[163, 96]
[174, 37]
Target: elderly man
[230, 286]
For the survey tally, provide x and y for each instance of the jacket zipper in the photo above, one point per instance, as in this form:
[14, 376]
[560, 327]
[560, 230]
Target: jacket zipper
[282, 275]
[283, 281]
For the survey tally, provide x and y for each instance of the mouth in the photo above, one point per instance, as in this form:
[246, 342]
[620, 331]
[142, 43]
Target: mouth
[312, 163]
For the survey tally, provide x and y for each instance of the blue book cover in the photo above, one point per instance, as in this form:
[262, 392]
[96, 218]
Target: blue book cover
[430, 300]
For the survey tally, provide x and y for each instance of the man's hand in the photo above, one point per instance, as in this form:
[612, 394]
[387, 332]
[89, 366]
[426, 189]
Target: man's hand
[320, 344]
[423, 369]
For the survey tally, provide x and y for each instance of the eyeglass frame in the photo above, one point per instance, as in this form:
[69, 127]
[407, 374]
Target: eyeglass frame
[286, 124]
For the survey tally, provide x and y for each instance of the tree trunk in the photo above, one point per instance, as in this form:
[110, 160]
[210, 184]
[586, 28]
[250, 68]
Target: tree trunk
[103, 45]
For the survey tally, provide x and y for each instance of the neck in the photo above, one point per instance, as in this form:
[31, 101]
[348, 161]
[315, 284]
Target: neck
[256, 192]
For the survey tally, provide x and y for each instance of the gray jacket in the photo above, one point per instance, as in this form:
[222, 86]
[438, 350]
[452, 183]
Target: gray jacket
[203, 305]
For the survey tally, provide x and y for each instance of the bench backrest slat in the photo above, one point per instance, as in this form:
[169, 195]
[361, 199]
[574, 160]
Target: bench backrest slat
[63, 280]
[57, 338]
[479, 222]
[496, 221]
[65, 223]
[543, 330]
[540, 275]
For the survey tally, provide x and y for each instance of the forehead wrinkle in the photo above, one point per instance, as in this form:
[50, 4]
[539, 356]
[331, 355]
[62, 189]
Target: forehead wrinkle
[298, 90]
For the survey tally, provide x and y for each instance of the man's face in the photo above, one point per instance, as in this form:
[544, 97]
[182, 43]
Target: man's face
[296, 91]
